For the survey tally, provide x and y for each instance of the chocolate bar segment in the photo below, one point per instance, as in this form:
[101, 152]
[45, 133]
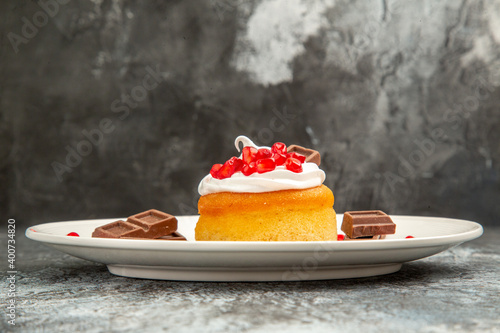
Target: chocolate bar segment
[311, 155]
[118, 229]
[367, 224]
[154, 223]
[175, 236]
[150, 224]
[365, 238]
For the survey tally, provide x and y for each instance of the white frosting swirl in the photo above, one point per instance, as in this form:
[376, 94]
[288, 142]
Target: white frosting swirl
[276, 180]
[246, 143]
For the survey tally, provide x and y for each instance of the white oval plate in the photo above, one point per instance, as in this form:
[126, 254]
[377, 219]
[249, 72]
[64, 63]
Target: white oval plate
[257, 261]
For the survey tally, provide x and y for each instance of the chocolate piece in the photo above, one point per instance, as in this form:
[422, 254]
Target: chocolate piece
[380, 236]
[150, 224]
[367, 224]
[311, 155]
[118, 229]
[364, 238]
[175, 236]
[155, 223]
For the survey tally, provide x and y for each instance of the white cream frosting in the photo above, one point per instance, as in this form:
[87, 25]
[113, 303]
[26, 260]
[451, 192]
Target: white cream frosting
[276, 180]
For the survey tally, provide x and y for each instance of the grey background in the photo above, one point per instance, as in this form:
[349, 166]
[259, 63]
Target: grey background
[400, 97]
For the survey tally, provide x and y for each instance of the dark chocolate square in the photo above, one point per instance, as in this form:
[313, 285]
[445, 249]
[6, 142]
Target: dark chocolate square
[367, 224]
[155, 223]
[118, 229]
[175, 236]
[150, 224]
[312, 156]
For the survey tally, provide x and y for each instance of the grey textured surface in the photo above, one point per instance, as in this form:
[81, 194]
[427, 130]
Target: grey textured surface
[455, 291]
[401, 98]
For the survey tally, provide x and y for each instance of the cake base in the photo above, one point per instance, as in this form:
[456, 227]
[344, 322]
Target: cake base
[289, 215]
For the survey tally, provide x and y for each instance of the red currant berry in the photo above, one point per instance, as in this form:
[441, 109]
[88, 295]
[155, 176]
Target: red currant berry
[265, 165]
[215, 170]
[264, 153]
[410, 237]
[73, 234]
[249, 154]
[249, 168]
[279, 158]
[279, 148]
[340, 237]
[295, 155]
[293, 165]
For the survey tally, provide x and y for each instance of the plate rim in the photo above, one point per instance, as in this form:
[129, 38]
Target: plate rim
[475, 231]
